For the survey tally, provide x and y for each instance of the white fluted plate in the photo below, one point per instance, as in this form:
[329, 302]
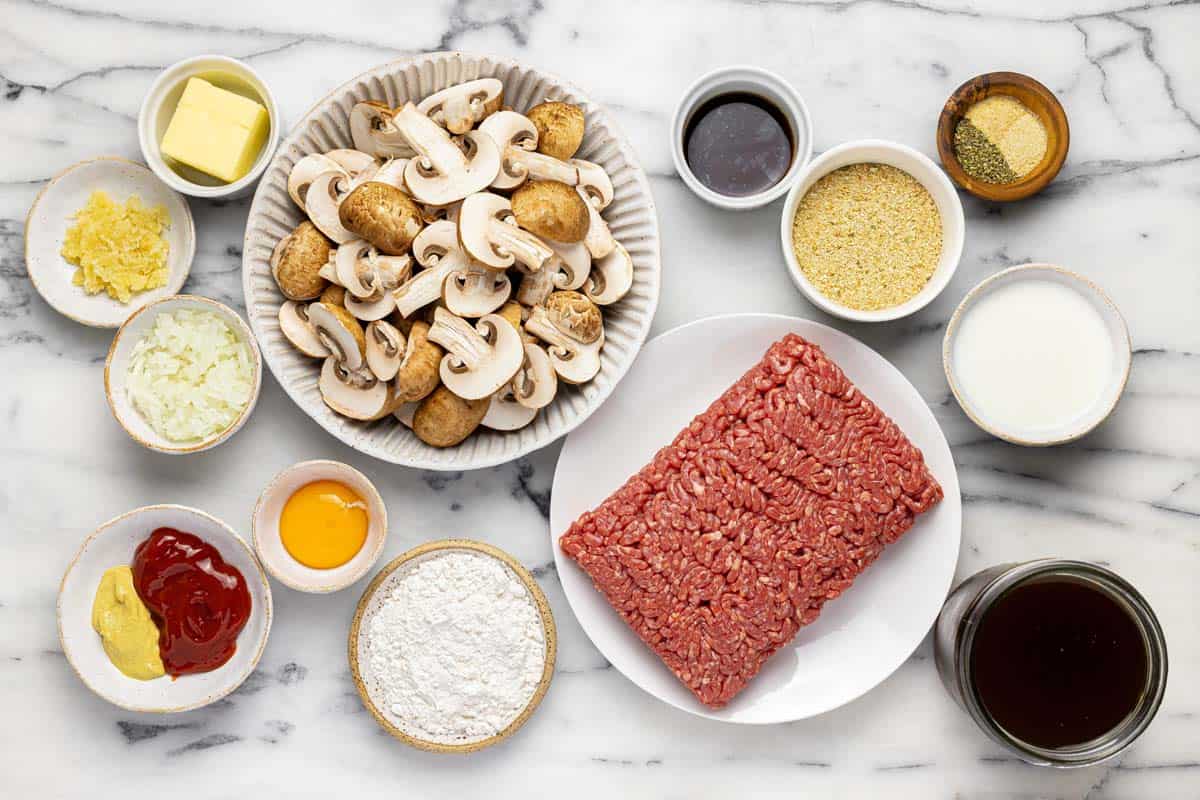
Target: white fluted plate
[631, 216]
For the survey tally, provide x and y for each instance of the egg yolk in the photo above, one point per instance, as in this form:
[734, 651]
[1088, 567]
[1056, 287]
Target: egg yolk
[323, 524]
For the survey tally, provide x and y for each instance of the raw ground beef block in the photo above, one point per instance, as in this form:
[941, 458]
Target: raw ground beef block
[767, 505]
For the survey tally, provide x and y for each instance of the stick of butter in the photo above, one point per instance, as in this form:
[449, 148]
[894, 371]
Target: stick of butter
[216, 131]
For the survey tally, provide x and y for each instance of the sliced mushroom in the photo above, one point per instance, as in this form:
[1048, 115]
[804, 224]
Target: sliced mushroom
[488, 234]
[418, 373]
[437, 249]
[594, 183]
[296, 262]
[505, 413]
[510, 130]
[355, 162]
[340, 333]
[365, 273]
[536, 382]
[560, 128]
[551, 210]
[572, 327]
[385, 349]
[611, 277]
[405, 414]
[443, 419]
[321, 201]
[476, 290]
[567, 269]
[306, 170]
[391, 172]
[374, 132]
[458, 108]
[599, 240]
[355, 393]
[442, 172]
[480, 359]
[296, 327]
[383, 215]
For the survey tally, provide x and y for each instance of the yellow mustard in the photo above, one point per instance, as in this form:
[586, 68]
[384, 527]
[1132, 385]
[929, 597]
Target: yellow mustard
[126, 629]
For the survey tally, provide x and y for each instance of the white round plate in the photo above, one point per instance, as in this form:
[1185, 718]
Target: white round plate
[862, 636]
[111, 545]
[116, 370]
[631, 216]
[51, 215]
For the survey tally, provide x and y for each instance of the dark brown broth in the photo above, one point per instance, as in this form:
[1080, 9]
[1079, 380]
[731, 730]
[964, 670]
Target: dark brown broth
[738, 144]
[1057, 663]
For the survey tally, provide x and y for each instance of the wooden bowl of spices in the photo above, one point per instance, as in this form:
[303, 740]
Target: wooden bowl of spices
[1003, 136]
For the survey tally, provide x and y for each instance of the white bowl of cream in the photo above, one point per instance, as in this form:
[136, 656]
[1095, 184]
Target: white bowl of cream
[1037, 355]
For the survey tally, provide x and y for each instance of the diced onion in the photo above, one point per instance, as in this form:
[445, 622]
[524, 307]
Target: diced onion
[190, 377]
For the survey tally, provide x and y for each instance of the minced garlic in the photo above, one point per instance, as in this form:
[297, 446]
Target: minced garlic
[118, 248]
[190, 377]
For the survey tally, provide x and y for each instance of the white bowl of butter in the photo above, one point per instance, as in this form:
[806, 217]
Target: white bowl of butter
[208, 127]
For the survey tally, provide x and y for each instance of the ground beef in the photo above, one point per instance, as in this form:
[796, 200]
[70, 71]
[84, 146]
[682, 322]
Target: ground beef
[767, 505]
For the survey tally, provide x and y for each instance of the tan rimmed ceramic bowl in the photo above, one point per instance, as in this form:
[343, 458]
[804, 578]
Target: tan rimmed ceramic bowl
[113, 544]
[116, 367]
[1118, 334]
[52, 214]
[269, 545]
[631, 216]
[369, 604]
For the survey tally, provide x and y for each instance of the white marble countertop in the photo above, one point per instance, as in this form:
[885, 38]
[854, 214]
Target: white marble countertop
[1124, 212]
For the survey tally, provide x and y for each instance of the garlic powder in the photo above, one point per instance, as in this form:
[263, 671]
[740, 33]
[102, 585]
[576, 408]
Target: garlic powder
[190, 376]
[456, 649]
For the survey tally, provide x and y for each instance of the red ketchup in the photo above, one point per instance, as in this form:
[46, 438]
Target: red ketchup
[200, 603]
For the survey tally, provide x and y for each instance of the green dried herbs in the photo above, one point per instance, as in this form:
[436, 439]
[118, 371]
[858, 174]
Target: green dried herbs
[979, 158]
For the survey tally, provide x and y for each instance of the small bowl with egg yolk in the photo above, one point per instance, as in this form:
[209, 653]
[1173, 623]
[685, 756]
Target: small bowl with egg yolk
[319, 526]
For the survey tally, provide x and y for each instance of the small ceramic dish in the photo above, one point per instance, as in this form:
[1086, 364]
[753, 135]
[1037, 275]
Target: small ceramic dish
[159, 106]
[879, 151]
[113, 544]
[1038, 99]
[1113, 322]
[369, 604]
[116, 367]
[269, 546]
[52, 213]
[750, 80]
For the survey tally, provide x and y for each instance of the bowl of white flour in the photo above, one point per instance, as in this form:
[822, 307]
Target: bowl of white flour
[452, 646]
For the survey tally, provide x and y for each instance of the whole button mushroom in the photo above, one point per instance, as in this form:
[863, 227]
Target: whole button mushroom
[560, 128]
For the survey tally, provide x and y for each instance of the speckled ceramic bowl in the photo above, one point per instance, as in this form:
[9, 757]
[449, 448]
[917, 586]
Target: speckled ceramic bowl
[111, 545]
[631, 216]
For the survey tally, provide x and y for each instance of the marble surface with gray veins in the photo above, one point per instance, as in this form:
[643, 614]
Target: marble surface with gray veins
[1124, 212]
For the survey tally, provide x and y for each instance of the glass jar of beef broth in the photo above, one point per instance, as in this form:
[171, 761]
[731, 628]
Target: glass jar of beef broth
[1063, 663]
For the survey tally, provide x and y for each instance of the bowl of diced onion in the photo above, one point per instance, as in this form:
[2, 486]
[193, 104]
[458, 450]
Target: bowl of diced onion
[183, 374]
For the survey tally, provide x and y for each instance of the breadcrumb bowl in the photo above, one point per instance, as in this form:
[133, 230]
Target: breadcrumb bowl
[368, 606]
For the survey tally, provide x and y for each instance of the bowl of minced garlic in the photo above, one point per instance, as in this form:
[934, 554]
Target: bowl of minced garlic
[1003, 136]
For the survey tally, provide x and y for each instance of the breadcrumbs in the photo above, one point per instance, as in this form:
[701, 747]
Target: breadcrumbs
[868, 236]
[118, 248]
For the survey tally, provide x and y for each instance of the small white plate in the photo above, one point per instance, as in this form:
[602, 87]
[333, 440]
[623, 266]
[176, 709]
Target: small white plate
[862, 636]
[928, 174]
[51, 215]
[116, 368]
[269, 546]
[111, 545]
[1122, 349]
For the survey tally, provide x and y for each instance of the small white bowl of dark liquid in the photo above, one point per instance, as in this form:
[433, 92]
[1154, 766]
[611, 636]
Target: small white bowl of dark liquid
[740, 137]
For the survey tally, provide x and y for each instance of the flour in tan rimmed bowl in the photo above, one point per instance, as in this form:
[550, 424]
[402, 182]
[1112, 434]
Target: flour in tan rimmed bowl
[452, 646]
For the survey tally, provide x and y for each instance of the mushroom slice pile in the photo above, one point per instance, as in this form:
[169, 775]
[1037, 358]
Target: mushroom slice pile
[489, 234]
[458, 108]
[572, 327]
[442, 172]
[402, 277]
[374, 132]
[479, 359]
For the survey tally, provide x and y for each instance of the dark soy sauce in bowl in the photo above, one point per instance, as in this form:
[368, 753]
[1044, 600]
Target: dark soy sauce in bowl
[1056, 662]
[738, 144]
